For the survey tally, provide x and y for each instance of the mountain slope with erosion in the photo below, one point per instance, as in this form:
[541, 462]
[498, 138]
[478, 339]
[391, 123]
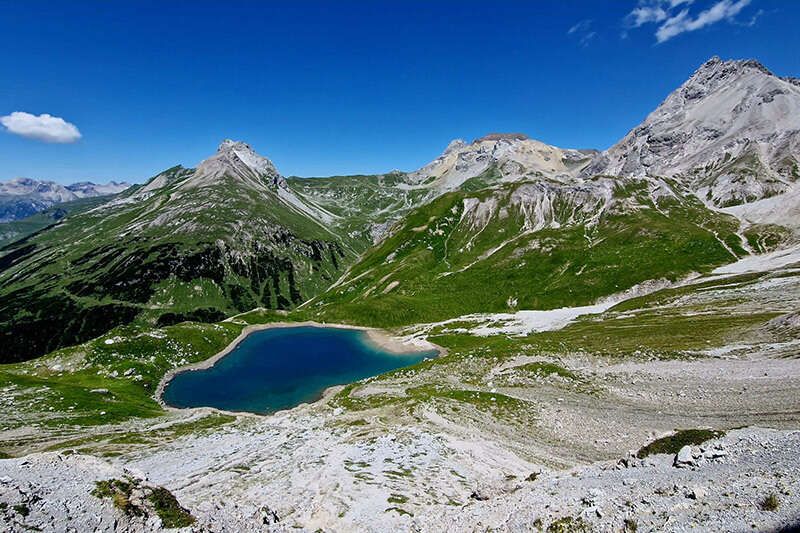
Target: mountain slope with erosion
[708, 177]
[527, 422]
[532, 245]
[188, 245]
[731, 133]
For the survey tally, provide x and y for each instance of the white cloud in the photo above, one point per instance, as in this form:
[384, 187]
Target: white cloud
[644, 14]
[43, 127]
[682, 22]
[580, 26]
[674, 16]
[583, 32]
[587, 38]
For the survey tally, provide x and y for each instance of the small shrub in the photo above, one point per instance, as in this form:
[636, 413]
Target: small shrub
[770, 503]
[630, 525]
[168, 509]
[22, 509]
[397, 498]
[569, 524]
[119, 491]
[673, 443]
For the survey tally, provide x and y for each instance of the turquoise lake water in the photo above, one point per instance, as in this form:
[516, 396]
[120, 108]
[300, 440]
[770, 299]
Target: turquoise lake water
[280, 368]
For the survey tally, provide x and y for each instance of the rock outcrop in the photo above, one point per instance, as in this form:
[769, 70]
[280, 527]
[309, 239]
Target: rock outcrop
[731, 133]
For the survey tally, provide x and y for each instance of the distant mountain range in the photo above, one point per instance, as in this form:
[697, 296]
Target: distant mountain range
[23, 197]
[500, 223]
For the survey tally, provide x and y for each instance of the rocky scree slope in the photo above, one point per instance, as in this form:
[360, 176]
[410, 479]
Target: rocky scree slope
[188, 245]
[730, 133]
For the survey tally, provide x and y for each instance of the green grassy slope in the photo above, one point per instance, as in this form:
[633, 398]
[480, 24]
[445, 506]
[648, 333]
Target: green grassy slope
[160, 257]
[18, 229]
[451, 258]
[362, 201]
[110, 380]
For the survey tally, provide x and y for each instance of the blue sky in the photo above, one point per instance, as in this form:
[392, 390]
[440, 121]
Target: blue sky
[337, 87]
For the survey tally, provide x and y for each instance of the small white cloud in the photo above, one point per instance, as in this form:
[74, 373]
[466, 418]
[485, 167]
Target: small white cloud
[580, 26]
[673, 16]
[682, 22]
[644, 14]
[587, 38]
[42, 127]
[583, 32]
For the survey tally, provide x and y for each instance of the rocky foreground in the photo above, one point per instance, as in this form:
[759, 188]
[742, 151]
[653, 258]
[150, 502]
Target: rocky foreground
[746, 480]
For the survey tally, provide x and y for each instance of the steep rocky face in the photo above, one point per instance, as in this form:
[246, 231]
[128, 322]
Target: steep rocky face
[533, 244]
[731, 133]
[237, 159]
[370, 206]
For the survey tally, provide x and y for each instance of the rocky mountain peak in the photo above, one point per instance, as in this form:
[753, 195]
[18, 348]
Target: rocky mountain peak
[237, 159]
[455, 145]
[228, 145]
[503, 137]
[716, 71]
[731, 132]
[500, 157]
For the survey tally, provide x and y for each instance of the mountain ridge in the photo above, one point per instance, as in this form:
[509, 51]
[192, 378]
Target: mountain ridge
[23, 197]
[233, 234]
[731, 133]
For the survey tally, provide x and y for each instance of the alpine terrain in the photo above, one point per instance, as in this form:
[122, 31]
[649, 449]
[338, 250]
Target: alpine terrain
[23, 197]
[618, 335]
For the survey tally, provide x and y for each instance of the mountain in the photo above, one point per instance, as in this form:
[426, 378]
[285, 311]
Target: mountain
[708, 177]
[370, 205]
[499, 224]
[510, 157]
[197, 244]
[731, 133]
[536, 243]
[87, 189]
[23, 197]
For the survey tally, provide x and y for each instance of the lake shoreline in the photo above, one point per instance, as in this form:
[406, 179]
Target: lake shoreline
[374, 337]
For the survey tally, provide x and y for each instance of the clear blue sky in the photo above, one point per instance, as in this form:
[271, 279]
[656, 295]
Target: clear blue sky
[344, 86]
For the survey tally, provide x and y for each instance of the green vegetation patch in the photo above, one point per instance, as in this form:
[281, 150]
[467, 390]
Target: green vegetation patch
[544, 369]
[569, 524]
[168, 509]
[673, 443]
[120, 492]
[110, 379]
[770, 503]
[162, 501]
[496, 263]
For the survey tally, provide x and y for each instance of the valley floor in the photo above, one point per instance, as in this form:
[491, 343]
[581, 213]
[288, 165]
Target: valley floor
[508, 433]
